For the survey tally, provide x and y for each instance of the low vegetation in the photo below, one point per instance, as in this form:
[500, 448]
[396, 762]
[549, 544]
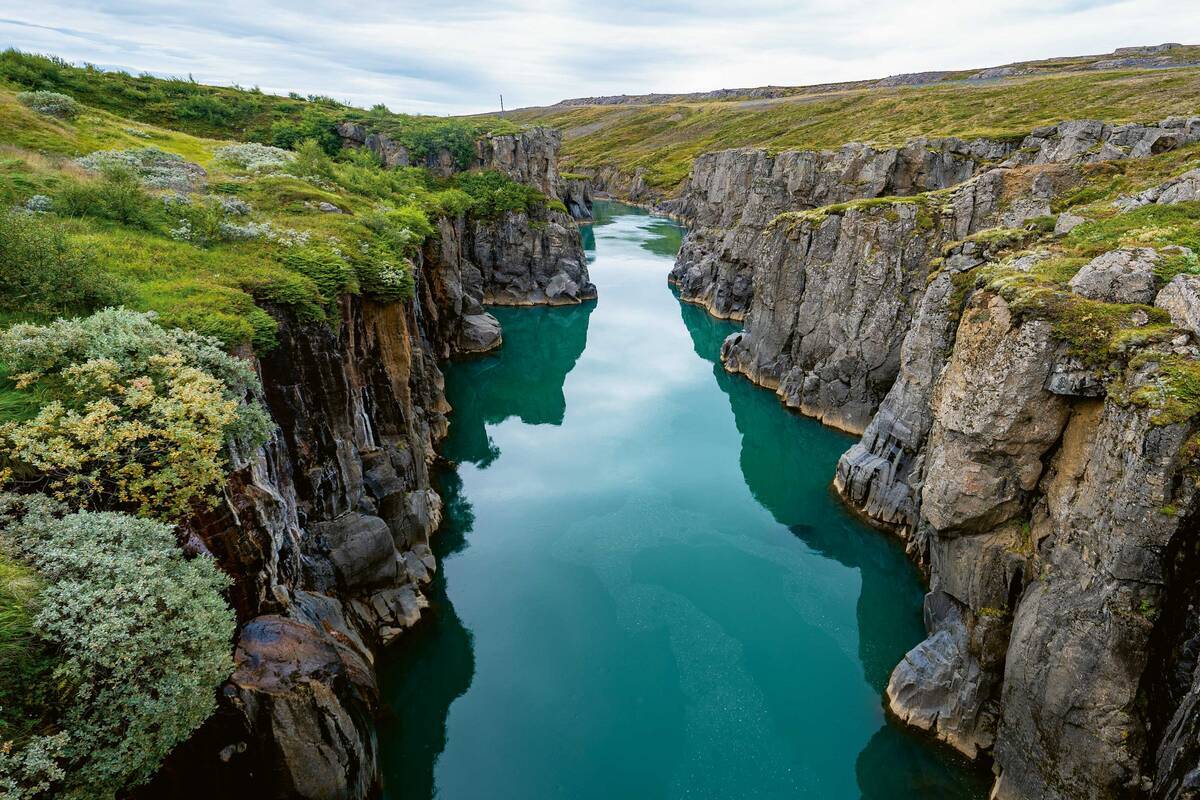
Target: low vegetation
[140, 640]
[663, 139]
[182, 104]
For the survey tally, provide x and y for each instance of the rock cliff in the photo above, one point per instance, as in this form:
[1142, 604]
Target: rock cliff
[1029, 425]
[326, 529]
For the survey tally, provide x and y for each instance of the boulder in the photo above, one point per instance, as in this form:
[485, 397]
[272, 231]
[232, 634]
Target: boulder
[1118, 276]
[360, 549]
[1181, 299]
[1067, 222]
[479, 333]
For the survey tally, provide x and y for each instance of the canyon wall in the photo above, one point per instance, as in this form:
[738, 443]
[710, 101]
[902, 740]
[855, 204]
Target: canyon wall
[1043, 474]
[326, 529]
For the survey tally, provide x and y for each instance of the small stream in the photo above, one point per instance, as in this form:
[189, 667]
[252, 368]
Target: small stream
[647, 589]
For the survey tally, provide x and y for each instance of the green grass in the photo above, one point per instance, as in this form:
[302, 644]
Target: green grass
[664, 139]
[26, 681]
[227, 112]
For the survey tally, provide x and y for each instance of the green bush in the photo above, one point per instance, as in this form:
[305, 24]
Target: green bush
[328, 269]
[494, 194]
[136, 416]
[26, 686]
[292, 290]
[144, 639]
[311, 162]
[41, 273]
[52, 104]
[117, 196]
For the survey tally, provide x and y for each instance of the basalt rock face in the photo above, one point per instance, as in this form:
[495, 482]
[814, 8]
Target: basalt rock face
[325, 530]
[1056, 519]
[733, 195]
[326, 533]
[835, 291]
[1053, 508]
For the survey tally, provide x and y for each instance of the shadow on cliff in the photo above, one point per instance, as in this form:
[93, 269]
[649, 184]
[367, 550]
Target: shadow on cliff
[523, 379]
[787, 462]
[428, 669]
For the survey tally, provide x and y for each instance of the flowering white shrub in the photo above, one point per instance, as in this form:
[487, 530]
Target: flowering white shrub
[182, 231]
[52, 104]
[234, 206]
[254, 157]
[155, 168]
[143, 637]
[38, 204]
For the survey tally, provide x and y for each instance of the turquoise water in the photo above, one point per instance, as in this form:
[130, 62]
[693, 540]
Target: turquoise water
[646, 587]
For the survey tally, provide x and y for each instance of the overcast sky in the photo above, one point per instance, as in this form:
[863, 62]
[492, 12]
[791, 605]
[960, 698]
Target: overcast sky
[457, 56]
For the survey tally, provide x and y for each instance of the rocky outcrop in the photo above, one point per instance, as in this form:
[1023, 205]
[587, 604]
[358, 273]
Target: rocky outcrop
[577, 196]
[1119, 276]
[733, 195]
[1181, 299]
[529, 157]
[526, 260]
[1184, 188]
[836, 290]
[1092, 140]
[1037, 509]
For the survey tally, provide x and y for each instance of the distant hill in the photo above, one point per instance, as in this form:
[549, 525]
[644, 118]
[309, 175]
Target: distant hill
[652, 139]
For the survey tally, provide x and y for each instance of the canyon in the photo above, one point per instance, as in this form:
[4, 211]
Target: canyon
[859, 468]
[1051, 513]
[327, 527]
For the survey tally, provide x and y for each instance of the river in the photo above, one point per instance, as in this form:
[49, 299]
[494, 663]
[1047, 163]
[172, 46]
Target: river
[646, 587]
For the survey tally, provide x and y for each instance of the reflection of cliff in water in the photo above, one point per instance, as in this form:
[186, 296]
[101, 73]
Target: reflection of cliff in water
[777, 460]
[523, 379]
[437, 662]
[778, 464]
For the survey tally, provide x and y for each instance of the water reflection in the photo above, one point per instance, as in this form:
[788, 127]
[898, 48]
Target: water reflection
[523, 379]
[776, 456]
[437, 661]
[660, 598]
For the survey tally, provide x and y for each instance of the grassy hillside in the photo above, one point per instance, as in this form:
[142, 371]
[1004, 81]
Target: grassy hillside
[662, 139]
[201, 255]
[232, 112]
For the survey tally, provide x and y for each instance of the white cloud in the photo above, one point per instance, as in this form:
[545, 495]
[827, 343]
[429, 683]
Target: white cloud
[458, 56]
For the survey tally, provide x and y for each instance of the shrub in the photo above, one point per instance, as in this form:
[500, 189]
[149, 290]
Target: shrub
[116, 196]
[38, 204]
[383, 275]
[402, 229]
[144, 638]
[152, 167]
[137, 416]
[329, 270]
[152, 443]
[254, 157]
[494, 193]
[25, 683]
[41, 273]
[52, 104]
[311, 162]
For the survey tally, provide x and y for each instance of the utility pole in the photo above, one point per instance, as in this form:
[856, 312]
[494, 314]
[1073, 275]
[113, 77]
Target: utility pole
[501, 104]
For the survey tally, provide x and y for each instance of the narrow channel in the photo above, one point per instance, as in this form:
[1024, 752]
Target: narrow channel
[647, 589]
